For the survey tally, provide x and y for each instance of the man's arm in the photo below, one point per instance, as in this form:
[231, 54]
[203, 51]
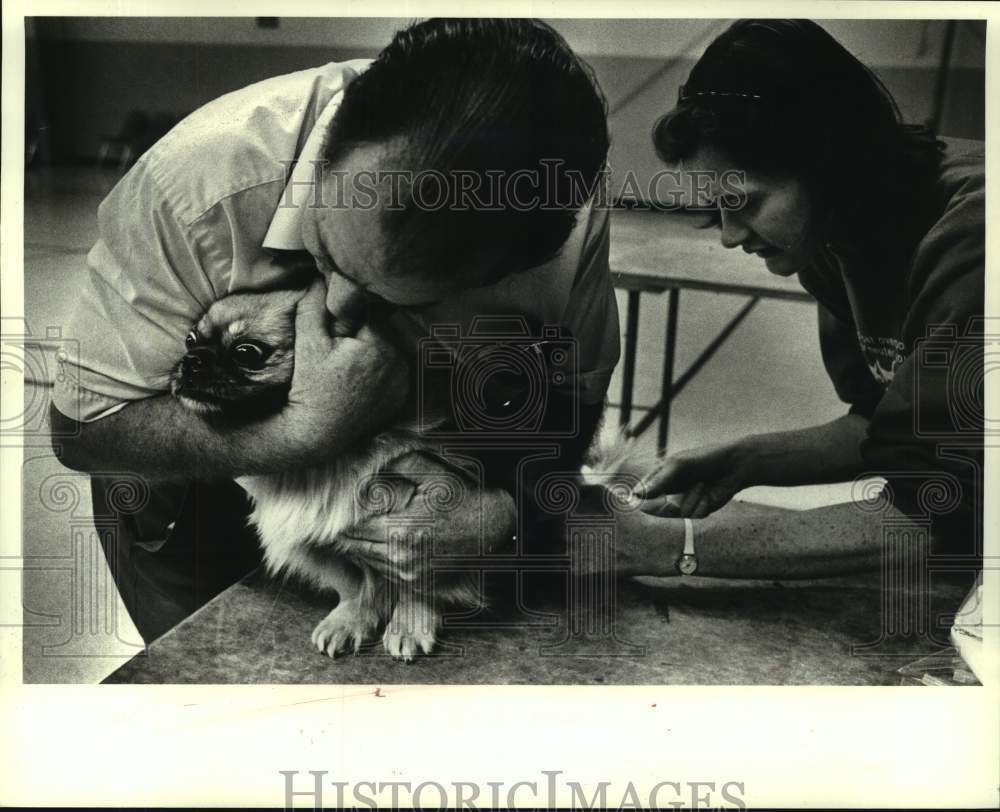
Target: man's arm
[159, 438]
[483, 520]
[341, 387]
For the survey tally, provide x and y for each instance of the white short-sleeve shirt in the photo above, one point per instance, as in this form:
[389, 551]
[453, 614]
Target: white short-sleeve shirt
[199, 213]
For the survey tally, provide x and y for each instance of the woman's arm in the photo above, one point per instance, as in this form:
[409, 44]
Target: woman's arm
[704, 479]
[774, 543]
[830, 452]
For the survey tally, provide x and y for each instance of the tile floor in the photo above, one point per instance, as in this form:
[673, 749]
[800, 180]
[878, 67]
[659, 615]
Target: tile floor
[767, 377]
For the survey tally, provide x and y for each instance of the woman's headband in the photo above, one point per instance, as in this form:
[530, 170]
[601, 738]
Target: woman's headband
[684, 94]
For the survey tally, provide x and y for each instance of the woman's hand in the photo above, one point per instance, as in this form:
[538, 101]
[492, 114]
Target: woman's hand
[698, 482]
[695, 483]
[341, 386]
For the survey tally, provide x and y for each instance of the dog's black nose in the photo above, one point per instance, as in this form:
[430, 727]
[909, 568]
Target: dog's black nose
[195, 360]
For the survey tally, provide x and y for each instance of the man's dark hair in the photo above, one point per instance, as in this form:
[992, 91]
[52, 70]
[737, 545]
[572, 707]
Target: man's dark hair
[461, 98]
[784, 95]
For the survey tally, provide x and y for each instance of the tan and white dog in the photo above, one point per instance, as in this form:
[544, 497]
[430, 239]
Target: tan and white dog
[238, 365]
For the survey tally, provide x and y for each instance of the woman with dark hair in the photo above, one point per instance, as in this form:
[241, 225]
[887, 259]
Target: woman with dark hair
[884, 225]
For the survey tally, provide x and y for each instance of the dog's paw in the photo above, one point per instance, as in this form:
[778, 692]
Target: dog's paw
[348, 626]
[405, 644]
[411, 630]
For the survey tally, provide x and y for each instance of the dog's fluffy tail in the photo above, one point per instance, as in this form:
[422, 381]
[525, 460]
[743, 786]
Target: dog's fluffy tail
[613, 453]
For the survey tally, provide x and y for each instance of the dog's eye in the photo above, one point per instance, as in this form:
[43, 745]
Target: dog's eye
[190, 339]
[249, 355]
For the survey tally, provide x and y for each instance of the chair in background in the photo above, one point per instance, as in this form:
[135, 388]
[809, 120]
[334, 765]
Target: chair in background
[138, 133]
[127, 145]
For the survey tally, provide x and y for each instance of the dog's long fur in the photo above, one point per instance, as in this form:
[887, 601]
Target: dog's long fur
[304, 516]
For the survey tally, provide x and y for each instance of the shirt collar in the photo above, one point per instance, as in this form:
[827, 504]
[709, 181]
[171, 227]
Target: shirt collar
[285, 231]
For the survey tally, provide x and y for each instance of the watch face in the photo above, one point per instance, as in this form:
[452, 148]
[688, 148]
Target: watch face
[687, 565]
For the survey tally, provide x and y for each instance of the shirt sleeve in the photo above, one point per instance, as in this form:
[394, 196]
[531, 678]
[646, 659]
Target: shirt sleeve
[926, 433]
[143, 288]
[592, 311]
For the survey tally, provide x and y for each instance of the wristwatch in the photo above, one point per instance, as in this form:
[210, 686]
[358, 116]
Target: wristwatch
[687, 564]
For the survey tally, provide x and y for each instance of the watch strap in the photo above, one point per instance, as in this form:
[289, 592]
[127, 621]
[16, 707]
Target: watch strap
[688, 537]
[687, 563]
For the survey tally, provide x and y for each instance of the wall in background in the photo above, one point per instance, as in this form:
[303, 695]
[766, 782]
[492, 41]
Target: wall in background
[875, 42]
[92, 71]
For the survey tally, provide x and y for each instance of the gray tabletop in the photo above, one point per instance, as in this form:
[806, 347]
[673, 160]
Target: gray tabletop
[682, 631]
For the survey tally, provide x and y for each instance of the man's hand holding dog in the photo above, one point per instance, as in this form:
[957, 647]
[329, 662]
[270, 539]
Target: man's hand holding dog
[342, 385]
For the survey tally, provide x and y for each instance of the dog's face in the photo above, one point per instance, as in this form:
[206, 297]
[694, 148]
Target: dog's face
[239, 356]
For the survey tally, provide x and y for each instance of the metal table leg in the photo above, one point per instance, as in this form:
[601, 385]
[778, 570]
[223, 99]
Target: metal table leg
[678, 385]
[669, 349]
[628, 373]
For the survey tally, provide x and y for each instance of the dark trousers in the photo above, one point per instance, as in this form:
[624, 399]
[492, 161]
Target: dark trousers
[182, 548]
